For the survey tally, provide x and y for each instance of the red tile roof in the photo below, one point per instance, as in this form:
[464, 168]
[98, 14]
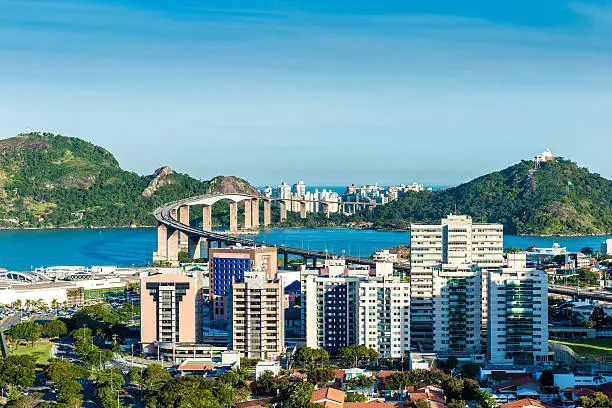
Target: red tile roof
[373, 404]
[253, 403]
[582, 392]
[522, 403]
[519, 381]
[332, 395]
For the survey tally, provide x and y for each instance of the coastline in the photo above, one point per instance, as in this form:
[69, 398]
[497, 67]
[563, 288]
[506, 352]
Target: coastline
[347, 227]
[74, 227]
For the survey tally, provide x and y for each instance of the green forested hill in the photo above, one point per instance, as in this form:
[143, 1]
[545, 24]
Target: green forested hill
[557, 198]
[50, 180]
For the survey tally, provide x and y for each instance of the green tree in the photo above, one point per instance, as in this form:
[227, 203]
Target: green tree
[60, 370]
[471, 390]
[300, 395]
[321, 376]
[588, 251]
[352, 354]
[25, 401]
[355, 397]
[363, 381]
[70, 393]
[307, 356]
[487, 401]
[54, 328]
[397, 382]
[452, 388]
[456, 404]
[18, 371]
[154, 377]
[266, 384]
[416, 404]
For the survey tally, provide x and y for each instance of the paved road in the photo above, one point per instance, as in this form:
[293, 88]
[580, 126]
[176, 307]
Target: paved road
[64, 348]
[587, 293]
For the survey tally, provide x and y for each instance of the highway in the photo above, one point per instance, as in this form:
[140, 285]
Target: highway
[581, 293]
[163, 215]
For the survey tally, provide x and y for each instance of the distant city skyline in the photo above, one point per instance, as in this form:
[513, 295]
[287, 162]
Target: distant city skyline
[396, 91]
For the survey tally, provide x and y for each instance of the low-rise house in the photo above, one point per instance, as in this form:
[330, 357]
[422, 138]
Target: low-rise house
[425, 361]
[519, 388]
[524, 403]
[263, 366]
[256, 403]
[333, 398]
[567, 380]
[328, 397]
[433, 395]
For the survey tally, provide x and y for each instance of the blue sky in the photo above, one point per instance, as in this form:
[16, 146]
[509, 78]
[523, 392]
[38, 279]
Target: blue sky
[330, 92]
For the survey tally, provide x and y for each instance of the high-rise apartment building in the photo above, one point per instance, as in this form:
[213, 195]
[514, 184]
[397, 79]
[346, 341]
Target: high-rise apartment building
[518, 313]
[456, 241]
[227, 264]
[169, 309]
[383, 321]
[350, 305]
[457, 306]
[257, 316]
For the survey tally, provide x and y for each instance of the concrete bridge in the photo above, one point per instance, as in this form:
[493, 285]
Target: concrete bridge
[174, 232]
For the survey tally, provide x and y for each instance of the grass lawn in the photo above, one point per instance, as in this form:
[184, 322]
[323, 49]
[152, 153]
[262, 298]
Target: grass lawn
[598, 350]
[41, 349]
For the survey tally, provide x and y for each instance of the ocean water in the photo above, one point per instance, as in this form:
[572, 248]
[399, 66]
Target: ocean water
[26, 249]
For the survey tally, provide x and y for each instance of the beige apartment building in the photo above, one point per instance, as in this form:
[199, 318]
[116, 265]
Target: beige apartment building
[227, 264]
[257, 316]
[169, 305]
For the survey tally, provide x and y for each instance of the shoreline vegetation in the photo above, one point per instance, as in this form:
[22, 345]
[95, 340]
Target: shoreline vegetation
[51, 181]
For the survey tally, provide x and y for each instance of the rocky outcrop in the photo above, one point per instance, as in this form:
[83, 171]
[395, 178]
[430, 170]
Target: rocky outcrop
[231, 185]
[160, 179]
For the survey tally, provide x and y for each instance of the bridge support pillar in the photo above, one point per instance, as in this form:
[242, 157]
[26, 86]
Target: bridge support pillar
[314, 262]
[267, 218]
[233, 206]
[255, 213]
[207, 218]
[247, 214]
[302, 209]
[183, 219]
[283, 210]
[162, 243]
[285, 261]
[173, 247]
[194, 247]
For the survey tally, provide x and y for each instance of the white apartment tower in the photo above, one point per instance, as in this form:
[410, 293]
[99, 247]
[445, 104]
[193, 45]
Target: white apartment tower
[457, 310]
[518, 313]
[349, 305]
[384, 313]
[455, 241]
